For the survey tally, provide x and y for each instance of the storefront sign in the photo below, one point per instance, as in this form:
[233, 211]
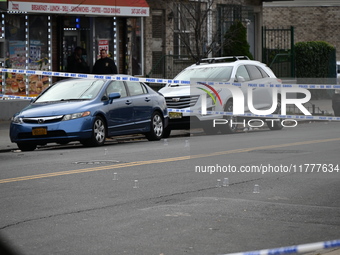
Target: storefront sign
[134, 8]
[103, 45]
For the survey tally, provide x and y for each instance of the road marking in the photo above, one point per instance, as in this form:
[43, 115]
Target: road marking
[157, 161]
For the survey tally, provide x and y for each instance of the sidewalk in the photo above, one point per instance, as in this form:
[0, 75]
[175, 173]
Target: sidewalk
[6, 145]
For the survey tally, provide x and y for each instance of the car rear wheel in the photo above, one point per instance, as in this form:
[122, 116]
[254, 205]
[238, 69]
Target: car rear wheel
[27, 146]
[98, 133]
[157, 128]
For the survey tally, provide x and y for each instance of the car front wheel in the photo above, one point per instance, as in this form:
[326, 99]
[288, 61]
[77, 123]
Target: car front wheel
[98, 133]
[230, 127]
[157, 128]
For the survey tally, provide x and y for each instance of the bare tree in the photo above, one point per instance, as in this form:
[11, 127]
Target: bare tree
[199, 26]
[191, 24]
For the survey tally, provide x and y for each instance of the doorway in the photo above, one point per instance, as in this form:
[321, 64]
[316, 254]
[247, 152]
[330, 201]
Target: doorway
[75, 31]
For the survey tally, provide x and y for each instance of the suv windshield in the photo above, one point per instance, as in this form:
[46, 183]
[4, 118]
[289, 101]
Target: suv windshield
[206, 73]
[74, 89]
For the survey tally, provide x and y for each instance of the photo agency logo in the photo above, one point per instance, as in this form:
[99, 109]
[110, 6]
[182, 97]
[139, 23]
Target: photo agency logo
[239, 104]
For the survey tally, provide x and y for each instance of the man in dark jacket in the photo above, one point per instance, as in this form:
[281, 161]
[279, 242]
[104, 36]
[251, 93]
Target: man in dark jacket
[104, 65]
[76, 63]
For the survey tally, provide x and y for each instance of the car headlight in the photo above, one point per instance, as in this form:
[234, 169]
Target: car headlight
[16, 120]
[76, 115]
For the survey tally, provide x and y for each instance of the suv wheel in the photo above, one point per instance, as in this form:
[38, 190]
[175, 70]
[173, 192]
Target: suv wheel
[229, 128]
[276, 125]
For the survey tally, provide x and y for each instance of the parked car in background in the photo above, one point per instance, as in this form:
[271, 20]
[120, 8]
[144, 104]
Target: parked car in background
[89, 111]
[336, 95]
[239, 70]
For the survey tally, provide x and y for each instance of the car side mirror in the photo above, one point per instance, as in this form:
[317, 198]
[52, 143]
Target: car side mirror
[240, 79]
[114, 95]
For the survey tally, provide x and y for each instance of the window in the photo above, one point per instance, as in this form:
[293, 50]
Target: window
[136, 88]
[117, 86]
[182, 28]
[254, 72]
[242, 73]
[264, 74]
[227, 14]
[207, 73]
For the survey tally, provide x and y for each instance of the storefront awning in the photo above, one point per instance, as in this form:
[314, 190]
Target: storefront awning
[135, 8]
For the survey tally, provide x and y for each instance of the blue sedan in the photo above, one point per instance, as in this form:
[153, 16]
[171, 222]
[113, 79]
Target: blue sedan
[89, 110]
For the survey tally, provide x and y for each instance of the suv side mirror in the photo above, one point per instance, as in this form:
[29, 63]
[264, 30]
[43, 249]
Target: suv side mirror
[239, 79]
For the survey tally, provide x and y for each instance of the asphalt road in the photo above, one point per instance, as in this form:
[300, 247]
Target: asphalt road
[76, 200]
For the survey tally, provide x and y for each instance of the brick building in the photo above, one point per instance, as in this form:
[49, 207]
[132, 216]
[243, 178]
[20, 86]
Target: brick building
[313, 20]
[162, 36]
[139, 34]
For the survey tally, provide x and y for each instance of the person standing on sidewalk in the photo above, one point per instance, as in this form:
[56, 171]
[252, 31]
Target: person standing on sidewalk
[76, 63]
[104, 65]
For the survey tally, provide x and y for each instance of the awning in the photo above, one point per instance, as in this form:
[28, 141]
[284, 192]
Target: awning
[136, 8]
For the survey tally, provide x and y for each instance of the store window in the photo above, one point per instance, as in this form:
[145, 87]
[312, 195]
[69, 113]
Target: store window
[27, 47]
[15, 84]
[15, 38]
[76, 31]
[38, 53]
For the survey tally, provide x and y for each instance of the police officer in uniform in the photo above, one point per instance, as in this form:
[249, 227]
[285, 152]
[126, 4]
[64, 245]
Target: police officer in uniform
[104, 65]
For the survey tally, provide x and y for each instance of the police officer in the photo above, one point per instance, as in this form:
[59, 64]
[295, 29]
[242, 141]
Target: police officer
[104, 65]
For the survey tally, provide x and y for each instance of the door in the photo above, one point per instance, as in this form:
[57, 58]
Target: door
[142, 103]
[120, 111]
[75, 31]
[262, 97]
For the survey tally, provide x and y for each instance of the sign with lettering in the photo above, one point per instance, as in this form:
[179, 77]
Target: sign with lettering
[136, 8]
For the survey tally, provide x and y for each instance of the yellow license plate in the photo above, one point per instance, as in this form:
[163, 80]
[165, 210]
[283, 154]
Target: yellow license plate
[175, 115]
[39, 131]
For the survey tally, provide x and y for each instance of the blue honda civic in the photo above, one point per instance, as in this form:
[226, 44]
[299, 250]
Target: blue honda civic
[89, 111]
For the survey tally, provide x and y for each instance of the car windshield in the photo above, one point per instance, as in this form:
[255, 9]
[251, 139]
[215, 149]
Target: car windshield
[75, 89]
[206, 73]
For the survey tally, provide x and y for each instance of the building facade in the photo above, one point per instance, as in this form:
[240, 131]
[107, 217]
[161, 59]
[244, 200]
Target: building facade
[139, 35]
[313, 20]
[41, 35]
[169, 31]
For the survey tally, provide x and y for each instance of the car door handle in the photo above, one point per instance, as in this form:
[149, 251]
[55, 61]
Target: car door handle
[147, 99]
[128, 102]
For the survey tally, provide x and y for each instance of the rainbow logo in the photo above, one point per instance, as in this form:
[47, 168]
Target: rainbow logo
[209, 93]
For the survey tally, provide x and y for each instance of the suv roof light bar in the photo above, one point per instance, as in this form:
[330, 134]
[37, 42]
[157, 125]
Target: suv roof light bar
[213, 60]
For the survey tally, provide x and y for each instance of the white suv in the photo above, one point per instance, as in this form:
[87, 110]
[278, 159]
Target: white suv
[239, 70]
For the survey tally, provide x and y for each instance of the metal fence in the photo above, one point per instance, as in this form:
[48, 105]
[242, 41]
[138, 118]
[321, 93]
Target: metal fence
[278, 50]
